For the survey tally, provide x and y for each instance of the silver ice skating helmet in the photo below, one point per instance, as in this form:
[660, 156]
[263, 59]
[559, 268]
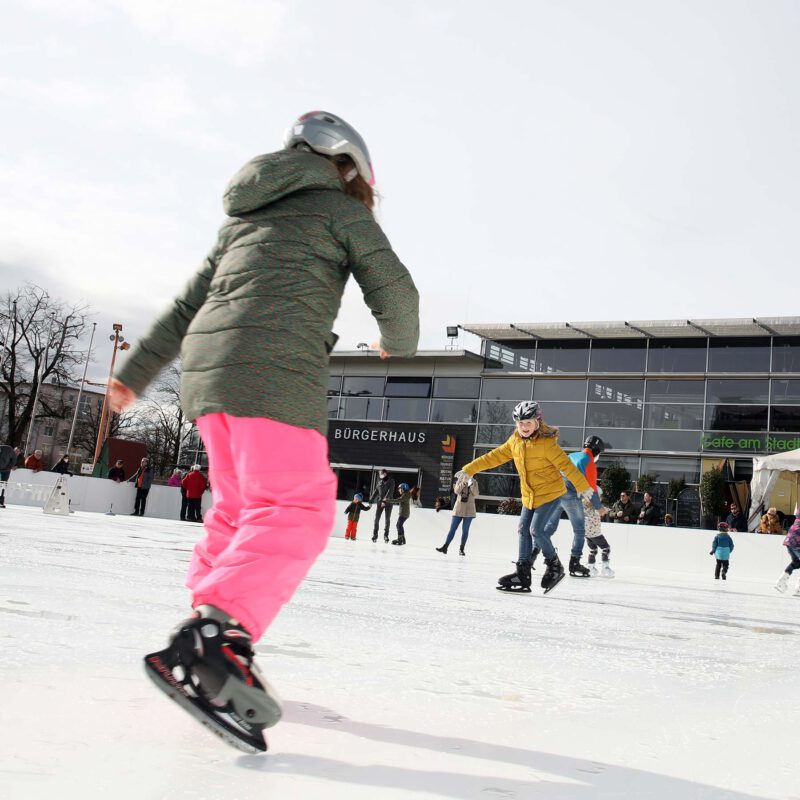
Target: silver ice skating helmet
[358, 497]
[527, 409]
[330, 135]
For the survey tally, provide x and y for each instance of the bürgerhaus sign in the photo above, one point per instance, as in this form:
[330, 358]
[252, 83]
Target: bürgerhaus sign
[379, 435]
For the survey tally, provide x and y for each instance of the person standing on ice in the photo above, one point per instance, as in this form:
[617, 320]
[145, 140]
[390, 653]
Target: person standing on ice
[539, 461]
[353, 512]
[721, 549]
[585, 461]
[464, 511]
[404, 512]
[792, 544]
[253, 328]
[595, 540]
[382, 498]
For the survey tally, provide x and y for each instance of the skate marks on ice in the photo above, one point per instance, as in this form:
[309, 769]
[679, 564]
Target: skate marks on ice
[550, 776]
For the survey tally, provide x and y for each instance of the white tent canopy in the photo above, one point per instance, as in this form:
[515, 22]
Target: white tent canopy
[766, 472]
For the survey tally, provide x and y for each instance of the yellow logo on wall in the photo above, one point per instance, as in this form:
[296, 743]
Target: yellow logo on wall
[449, 444]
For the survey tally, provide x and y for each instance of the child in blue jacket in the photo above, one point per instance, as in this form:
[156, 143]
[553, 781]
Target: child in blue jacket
[721, 548]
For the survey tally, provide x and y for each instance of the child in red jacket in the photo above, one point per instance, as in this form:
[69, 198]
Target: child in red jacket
[195, 484]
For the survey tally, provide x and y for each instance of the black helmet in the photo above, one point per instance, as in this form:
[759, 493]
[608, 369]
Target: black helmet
[595, 444]
[527, 409]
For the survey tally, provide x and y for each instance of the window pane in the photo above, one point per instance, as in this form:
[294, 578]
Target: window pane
[676, 391]
[615, 415]
[668, 468]
[737, 391]
[454, 411]
[456, 387]
[334, 385]
[611, 391]
[677, 355]
[743, 354]
[361, 387]
[621, 355]
[563, 413]
[562, 356]
[497, 412]
[559, 389]
[784, 391]
[333, 407]
[498, 485]
[672, 441]
[736, 418]
[677, 417]
[406, 409]
[408, 387]
[631, 463]
[361, 408]
[570, 438]
[493, 434]
[786, 354]
[512, 358]
[618, 438]
[785, 418]
[515, 389]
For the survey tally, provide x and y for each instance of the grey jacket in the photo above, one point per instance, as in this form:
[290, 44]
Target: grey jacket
[147, 481]
[384, 491]
[253, 325]
[8, 458]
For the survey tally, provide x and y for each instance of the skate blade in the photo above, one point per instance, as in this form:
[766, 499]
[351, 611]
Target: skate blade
[550, 589]
[510, 590]
[162, 677]
[579, 575]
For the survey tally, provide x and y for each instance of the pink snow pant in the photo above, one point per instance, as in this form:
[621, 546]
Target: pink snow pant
[274, 504]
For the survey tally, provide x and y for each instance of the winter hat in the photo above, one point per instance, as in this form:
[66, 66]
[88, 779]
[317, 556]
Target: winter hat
[723, 527]
[358, 497]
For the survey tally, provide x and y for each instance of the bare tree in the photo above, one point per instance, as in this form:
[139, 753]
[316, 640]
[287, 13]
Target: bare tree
[41, 336]
[87, 428]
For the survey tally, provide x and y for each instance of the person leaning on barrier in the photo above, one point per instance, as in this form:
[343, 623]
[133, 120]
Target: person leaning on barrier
[62, 466]
[34, 461]
[8, 461]
[117, 472]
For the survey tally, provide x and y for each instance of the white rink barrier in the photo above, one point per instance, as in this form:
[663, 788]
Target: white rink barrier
[664, 550]
[27, 488]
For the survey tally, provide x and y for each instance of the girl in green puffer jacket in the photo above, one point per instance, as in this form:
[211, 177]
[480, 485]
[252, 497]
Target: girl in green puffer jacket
[253, 328]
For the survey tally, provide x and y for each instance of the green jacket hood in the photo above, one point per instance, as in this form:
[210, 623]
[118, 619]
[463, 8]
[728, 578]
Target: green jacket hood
[268, 178]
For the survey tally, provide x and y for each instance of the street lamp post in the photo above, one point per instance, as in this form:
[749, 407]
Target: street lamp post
[80, 389]
[105, 416]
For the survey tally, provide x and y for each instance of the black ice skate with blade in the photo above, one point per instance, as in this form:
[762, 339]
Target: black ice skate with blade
[519, 581]
[576, 569]
[553, 575]
[208, 670]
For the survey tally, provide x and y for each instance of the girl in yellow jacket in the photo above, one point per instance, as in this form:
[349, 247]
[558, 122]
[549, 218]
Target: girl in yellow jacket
[540, 463]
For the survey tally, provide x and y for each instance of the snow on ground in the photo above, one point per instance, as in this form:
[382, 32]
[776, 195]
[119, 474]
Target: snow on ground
[403, 672]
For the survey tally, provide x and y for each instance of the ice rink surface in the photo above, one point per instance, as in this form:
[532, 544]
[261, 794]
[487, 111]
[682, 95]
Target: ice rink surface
[404, 673]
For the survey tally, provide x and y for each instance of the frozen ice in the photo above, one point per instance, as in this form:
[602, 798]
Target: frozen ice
[404, 672]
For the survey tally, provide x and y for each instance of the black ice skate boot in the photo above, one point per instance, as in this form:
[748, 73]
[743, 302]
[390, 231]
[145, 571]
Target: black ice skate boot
[442, 549]
[576, 569]
[208, 669]
[553, 575]
[461, 551]
[519, 581]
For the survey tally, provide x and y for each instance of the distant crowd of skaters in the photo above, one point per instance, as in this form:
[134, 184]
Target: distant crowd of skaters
[552, 483]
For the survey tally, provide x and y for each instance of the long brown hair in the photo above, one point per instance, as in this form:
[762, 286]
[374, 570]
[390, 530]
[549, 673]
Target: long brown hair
[544, 429]
[356, 187]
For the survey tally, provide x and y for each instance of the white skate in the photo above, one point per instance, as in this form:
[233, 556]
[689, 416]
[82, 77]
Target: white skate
[593, 571]
[783, 582]
[606, 571]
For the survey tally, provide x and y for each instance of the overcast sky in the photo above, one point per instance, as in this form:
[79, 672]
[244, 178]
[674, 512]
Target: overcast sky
[539, 160]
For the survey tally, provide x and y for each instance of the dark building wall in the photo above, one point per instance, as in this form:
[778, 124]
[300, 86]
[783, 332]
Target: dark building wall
[425, 446]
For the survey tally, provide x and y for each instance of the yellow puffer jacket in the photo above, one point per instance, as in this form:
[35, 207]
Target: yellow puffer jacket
[539, 462]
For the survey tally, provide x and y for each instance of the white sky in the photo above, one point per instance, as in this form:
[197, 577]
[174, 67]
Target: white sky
[539, 161]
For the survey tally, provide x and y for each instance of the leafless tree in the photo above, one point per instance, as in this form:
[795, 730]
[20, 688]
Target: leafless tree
[40, 336]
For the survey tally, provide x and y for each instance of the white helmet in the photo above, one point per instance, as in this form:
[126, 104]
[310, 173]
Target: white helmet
[331, 136]
[527, 409]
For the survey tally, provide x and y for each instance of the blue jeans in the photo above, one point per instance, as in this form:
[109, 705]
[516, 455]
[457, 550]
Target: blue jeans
[573, 505]
[454, 527]
[794, 554]
[532, 522]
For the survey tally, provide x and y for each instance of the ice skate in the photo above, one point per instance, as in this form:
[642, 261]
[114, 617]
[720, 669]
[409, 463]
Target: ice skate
[796, 592]
[400, 540]
[553, 575]
[461, 551]
[593, 571]
[442, 549]
[576, 569]
[375, 538]
[208, 669]
[606, 571]
[518, 581]
[783, 582]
